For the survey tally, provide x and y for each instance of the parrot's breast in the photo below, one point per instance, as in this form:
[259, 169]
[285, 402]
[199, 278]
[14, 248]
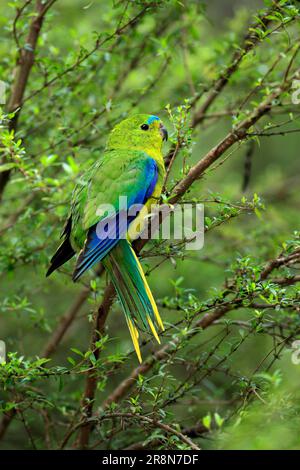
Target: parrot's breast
[139, 224]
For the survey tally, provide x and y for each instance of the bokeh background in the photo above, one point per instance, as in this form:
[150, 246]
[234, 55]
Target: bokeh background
[174, 53]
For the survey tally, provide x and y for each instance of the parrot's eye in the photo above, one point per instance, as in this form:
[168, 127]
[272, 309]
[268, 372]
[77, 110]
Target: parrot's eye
[144, 127]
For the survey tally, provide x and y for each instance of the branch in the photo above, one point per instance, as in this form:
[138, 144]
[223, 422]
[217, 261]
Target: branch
[161, 354]
[143, 419]
[91, 380]
[277, 262]
[19, 13]
[239, 133]
[98, 44]
[286, 281]
[64, 324]
[248, 165]
[271, 134]
[192, 432]
[12, 220]
[207, 320]
[250, 41]
[22, 72]
[55, 339]
[26, 62]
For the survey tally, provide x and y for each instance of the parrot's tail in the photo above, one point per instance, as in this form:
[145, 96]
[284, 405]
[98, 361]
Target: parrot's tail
[131, 285]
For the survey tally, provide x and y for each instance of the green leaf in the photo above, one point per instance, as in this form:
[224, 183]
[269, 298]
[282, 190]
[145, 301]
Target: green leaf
[207, 421]
[71, 361]
[219, 421]
[76, 351]
[7, 166]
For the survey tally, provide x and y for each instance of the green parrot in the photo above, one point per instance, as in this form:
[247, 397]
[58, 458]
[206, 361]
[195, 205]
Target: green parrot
[131, 167]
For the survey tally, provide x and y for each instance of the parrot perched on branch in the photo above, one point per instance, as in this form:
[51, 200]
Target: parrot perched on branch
[131, 166]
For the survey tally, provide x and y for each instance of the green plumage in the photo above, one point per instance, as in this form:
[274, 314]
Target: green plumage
[117, 173]
[131, 166]
[124, 270]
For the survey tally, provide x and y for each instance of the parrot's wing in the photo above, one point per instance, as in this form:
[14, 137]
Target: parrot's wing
[65, 250]
[117, 177]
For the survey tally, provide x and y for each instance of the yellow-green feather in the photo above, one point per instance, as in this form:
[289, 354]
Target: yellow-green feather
[133, 290]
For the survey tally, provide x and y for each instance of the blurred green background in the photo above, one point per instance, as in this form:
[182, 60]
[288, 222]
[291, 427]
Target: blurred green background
[193, 42]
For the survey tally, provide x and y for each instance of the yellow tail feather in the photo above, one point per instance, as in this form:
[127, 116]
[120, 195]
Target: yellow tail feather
[134, 336]
[152, 301]
[153, 329]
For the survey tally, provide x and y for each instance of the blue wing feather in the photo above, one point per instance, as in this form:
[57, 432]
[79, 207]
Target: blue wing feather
[95, 248]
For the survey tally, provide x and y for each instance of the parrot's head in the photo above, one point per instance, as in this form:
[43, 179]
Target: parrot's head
[142, 132]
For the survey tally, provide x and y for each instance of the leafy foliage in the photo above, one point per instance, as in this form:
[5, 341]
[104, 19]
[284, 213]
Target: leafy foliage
[222, 77]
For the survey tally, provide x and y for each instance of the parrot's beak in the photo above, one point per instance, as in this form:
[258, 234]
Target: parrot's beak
[163, 132]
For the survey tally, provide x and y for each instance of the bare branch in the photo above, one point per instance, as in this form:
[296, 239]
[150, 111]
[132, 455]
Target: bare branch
[22, 72]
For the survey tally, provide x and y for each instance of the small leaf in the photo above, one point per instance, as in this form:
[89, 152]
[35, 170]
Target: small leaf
[207, 421]
[76, 351]
[71, 361]
[219, 421]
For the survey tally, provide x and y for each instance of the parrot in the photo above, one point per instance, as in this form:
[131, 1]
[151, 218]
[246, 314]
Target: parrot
[130, 166]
